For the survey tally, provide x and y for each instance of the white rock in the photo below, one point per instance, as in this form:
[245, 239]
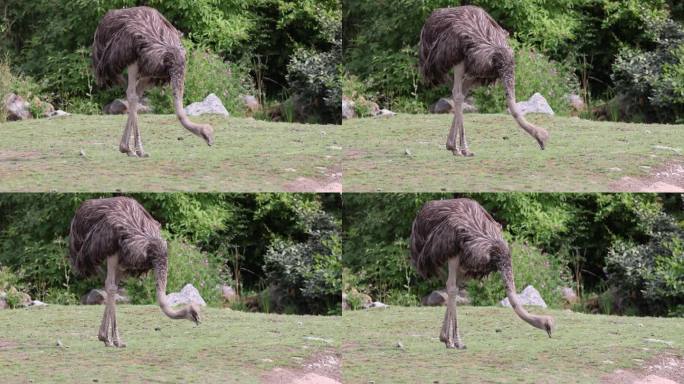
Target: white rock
[536, 104]
[385, 113]
[189, 294]
[16, 107]
[211, 105]
[348, 111]
[376, 304]
[57, 113]
[529, 296]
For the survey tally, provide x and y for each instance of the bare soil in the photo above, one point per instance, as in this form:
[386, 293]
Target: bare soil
[331, 183]
[665, 368]
[323, 368]
[667, 178]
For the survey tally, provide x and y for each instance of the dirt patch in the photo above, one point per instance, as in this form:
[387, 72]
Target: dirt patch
[353, 154]
[668, 178]
[666, 368]
[7, 344]
[323, 368]
[18, 155]
[332, 183]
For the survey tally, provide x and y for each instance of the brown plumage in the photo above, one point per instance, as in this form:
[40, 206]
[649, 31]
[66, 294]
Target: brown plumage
[120, 233]
[461, 234]
[142, 41]
[469, 41]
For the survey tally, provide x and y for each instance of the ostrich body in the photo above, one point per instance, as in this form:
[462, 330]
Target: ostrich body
[141, 40]
[469, 41]
[120, 232]
[461, 234]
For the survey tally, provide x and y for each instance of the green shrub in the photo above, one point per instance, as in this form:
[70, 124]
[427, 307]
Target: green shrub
[534, 72]
[24, 86]
[186, 265]
[207, 73]
[9, 279]
[650, 275]
[530, 267]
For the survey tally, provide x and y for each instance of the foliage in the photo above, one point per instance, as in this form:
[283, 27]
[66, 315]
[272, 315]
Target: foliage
[208, 73]
[24, 86]
[653, 79]
[307, 274]
[651, 274]
[533, 73]
[545, 272]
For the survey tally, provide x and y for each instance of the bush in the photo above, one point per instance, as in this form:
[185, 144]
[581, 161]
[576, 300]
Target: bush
[545, 272]
[307, 275]
[207, 73]
[650, 275]
[652, 79]
[23, 86]
[187, 265]
[534, 72]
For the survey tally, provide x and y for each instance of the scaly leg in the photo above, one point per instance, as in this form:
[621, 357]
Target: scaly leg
[458, 105]
[449, 334]
[456, 94]
[111, 287]
[142, 85]
[132, 122]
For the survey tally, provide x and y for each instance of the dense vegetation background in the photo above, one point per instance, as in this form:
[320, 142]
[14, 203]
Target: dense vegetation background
[623, 253]
[282, 252]
[625, 58]
[277, 50]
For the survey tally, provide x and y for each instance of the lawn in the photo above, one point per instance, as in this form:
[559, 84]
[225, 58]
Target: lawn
[247, 156]
[407, 153]
[401, 345]
[228, 347]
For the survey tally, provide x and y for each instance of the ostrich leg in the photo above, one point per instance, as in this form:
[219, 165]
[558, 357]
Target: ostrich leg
[132, 122]
[109, 319]
[457, 96]
[458, 105]
[142, 85]
[450, 335]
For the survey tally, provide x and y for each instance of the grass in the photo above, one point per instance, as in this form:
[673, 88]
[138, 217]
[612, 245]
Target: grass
[247, 156]
[581, 155]
[228, 347]
[583, 348]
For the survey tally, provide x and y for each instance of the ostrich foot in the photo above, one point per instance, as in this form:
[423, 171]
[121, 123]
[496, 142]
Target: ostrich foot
[466, 152]
[454, 345]
[119, 344]
[107, 341]
[141, 153]
[456, 151]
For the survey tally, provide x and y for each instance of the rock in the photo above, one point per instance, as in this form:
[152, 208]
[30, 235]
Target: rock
[385, 113]
[529, 296]
[251, 103]
[348, 111]
[120, 107]
[469, 108]
[443, 105]
[16, 108]
[536, 104]
[189, 294]
[376, 304]
[36, 303]
[345, 305]
[576, 103]
[99, 296]
[228, 293]
[569, 295]
[3, 302]
[439, 297]
[364, 299]
[211, 105]
[57, 113]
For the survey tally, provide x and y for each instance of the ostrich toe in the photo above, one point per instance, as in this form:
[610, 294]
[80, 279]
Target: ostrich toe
[466, 152]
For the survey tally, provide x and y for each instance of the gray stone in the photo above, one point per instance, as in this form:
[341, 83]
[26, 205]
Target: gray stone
[376, 304]
[36, 303]
[576, 103]
[439, 297]
[228, 293]
[529, 296]
[211, 105]
[443, 105]
[189, 294]
[57, 113]
[251, 103]
[385, 113]
[345, 305]
[120, 107]
[536, 104]
[99, 296]
[569, 295]
[16, 108]
[3, 302]
[469, 108]
[348, 111]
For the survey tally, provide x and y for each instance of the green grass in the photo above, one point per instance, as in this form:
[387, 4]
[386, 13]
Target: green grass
[583, 348]
[581, 155]
[228, 347]
[247, 156]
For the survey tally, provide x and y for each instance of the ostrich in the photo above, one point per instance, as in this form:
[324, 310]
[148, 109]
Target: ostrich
[120, 231]
[470, 41]
[461, 234]
[141, 40]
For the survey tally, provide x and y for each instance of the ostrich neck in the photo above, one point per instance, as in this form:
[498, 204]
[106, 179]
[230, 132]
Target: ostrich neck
[535, 321]
[160, 272]
[180, 112]
[509, 87]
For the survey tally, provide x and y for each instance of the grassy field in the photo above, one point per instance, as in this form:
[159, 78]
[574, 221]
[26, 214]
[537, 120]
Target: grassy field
[581, 155]
[247, 156]
[401, 345]
[228, 347]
